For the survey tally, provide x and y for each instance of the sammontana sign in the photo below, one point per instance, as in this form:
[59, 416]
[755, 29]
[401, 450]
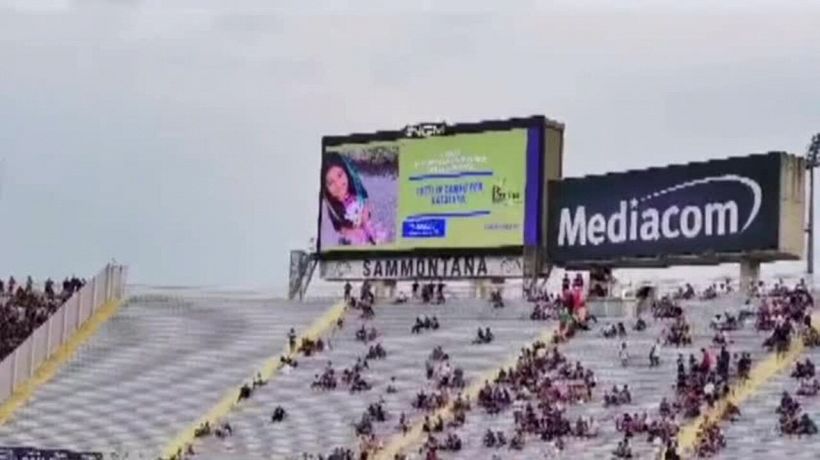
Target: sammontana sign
[422, 267]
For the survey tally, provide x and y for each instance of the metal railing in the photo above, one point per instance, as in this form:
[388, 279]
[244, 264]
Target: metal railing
[23, 362]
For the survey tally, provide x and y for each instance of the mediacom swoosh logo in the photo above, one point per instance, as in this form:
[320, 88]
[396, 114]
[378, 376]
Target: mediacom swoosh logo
[757, 192]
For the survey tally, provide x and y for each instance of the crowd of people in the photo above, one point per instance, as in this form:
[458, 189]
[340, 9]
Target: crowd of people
[709, 439]
[23, 308]
[543, 382]
[425, 323]
[784, 312]
[792, 420]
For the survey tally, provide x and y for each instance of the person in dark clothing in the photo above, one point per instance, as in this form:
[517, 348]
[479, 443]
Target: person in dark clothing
[292, 339]
[244, 392]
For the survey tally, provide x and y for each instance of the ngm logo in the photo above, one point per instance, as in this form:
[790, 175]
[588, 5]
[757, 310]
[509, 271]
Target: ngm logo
[425, 130]
[641, 220]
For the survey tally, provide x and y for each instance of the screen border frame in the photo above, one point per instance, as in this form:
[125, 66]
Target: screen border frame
[535, 121]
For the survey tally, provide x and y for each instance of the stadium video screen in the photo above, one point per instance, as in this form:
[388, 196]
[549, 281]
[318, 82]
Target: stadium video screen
[455, 191]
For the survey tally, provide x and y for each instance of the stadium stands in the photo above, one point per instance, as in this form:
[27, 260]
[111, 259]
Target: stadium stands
[151, 370]
[164, 361]
[23, 308]
[319, 421]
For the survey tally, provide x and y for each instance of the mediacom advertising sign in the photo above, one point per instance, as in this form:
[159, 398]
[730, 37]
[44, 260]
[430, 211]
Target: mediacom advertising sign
[447, 189]
[720, 206]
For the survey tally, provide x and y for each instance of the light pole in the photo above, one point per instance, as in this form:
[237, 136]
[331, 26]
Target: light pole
[812, 162]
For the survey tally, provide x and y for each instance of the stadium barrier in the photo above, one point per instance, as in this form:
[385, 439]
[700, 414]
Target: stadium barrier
[18, 367]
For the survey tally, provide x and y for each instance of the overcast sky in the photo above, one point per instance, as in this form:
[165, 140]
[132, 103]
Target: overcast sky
[183, 137]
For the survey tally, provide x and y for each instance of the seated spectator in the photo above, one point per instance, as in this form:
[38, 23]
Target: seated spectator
[288, 362]
[791, 422]
[709, 293]
[709, 440]
[678, 333]
[811, 337]
[244, 392]
[724, 322]
[803, 370]
[424, 322]
[484, 336]
[730, 413]
[279, 415]
[224, 431]
[788, 406]
[617, 397]
[391, 387]
[720, 339]
[309, 346]
[376, 352]
[452, 443]
[807, 426]
[640, 325]
[808, 387]
[666, 308]
[203, 430]
[610, 331]
[401, 298]
[623, 450]
[517, 441]
[366, 335]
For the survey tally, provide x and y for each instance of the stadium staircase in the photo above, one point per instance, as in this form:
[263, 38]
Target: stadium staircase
[319, 421]
[151, 370]
[755, 436]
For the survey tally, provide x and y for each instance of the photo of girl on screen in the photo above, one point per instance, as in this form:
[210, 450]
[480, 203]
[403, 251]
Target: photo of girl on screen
[347, 204]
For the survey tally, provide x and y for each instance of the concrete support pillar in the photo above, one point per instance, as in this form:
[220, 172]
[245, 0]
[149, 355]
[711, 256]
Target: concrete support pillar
[749, 275]
[481, 288]
[385, 289]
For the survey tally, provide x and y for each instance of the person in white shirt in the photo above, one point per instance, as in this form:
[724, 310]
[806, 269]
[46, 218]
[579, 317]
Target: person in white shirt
[623, 355]
[654, 359]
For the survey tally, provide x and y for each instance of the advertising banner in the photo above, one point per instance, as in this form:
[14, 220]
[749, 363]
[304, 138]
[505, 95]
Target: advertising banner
[410, 268]
[442, 188]
[714, 207]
